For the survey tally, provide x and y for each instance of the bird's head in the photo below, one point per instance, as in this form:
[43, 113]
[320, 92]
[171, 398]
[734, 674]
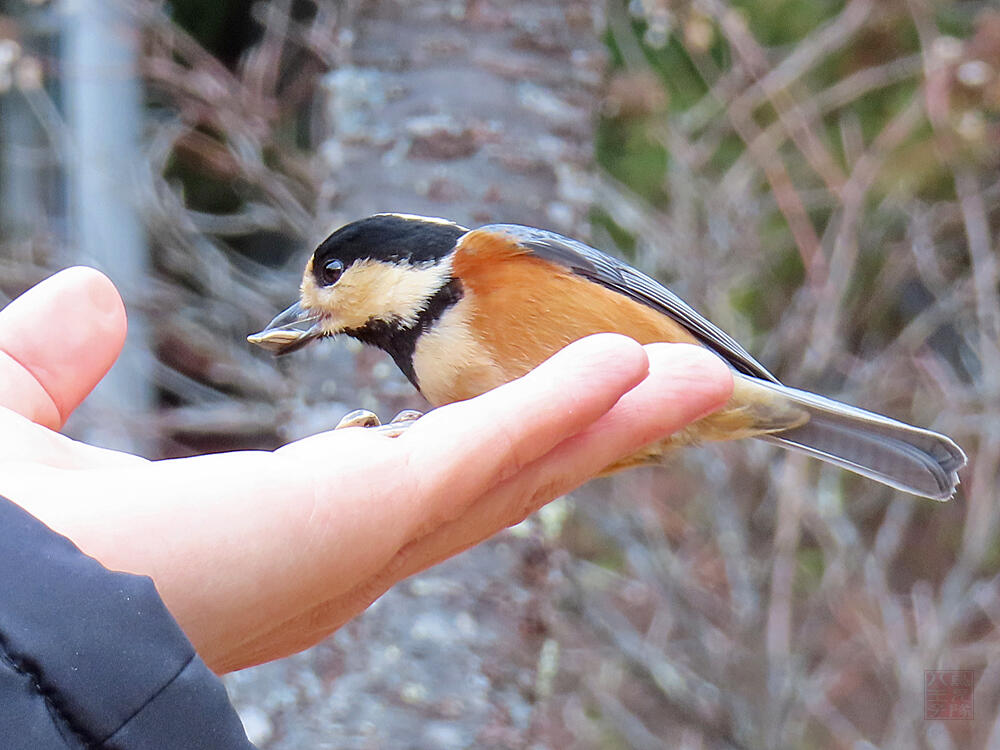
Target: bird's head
[372, 277]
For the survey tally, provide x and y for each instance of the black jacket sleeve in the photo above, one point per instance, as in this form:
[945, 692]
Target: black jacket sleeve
[90, 658]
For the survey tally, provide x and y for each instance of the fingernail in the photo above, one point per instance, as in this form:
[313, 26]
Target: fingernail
[101, 292]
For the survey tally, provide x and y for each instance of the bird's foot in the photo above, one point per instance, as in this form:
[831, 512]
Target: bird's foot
[365, 418]
[359, 418]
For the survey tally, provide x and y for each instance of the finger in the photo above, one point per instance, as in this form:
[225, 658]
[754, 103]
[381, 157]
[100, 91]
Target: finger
[684, 383]
[509, 427]
[57, 340]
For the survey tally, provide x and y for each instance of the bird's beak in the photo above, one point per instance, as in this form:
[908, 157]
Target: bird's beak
[290, 330]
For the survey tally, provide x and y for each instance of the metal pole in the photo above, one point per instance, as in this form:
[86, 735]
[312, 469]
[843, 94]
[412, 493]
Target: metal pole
[104, 110]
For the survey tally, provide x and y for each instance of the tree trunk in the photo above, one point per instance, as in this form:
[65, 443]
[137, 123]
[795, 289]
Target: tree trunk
[477, 112]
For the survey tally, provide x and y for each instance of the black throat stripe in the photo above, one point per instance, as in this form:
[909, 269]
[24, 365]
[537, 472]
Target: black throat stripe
[400, 341]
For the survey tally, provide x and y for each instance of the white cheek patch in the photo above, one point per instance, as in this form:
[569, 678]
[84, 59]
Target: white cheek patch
[372, 289]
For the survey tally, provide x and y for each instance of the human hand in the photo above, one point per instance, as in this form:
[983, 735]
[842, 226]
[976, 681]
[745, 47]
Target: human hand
[260, 554]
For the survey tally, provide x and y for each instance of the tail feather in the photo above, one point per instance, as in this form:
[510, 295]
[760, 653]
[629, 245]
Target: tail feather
[908, 458]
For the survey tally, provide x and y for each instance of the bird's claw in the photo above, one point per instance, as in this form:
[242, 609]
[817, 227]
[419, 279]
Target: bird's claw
[369, 419]
[407, 415]
[401, 422]
[359, 418]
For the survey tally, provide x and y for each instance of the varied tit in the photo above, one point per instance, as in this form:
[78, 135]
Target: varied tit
[462, 311]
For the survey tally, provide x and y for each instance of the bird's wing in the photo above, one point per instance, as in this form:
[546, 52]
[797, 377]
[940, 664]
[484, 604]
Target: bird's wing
[612, 273]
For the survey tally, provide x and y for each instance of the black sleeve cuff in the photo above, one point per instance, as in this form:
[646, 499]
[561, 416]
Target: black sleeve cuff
[92, 657]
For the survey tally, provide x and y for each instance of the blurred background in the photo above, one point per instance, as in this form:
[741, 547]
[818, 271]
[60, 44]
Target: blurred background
[819, 177]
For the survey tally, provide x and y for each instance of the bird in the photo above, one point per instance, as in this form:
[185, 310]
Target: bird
[462, 311]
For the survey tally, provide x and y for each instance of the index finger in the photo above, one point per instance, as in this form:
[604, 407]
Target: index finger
[507, 428]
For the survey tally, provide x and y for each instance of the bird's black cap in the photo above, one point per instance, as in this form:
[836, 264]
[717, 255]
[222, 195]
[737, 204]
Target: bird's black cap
[388, 237]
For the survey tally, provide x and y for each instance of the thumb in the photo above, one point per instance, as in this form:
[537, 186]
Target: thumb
[57, 340]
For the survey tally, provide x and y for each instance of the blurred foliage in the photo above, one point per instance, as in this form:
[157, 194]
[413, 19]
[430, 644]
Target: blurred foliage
[203, 163]
[663, 56]
[821, 178]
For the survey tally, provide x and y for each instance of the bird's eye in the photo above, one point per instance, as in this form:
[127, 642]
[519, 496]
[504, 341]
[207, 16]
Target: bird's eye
[332, 271]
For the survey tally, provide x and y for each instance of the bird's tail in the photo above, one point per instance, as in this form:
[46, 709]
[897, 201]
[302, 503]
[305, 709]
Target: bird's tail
[908, 458]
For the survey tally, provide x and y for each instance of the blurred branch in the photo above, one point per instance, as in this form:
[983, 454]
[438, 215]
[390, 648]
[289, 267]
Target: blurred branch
[866, 590]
